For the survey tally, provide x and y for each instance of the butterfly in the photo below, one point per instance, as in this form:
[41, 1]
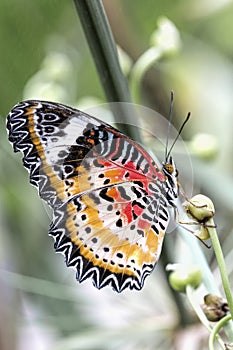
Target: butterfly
[109, 198]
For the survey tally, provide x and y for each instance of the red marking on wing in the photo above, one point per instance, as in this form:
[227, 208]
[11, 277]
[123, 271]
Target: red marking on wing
[128, 212]
[138, 211]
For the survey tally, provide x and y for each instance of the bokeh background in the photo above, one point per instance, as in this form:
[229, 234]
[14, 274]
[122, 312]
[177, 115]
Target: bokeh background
[44, 55]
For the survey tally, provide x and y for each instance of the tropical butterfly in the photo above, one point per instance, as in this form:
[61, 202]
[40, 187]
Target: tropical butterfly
[109, 198]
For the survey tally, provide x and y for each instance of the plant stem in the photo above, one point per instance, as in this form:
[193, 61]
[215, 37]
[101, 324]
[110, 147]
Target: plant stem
[144, 62]
[221, 264]
[216, 329]
[222, 268]
[104, 52]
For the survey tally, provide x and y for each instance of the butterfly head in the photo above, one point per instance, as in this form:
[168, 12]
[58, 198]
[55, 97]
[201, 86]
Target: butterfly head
[171, 173]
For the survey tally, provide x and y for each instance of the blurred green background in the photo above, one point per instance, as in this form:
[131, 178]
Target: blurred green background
[44, 55]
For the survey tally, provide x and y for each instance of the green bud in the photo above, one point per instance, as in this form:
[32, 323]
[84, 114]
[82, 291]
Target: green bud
[183, 276]
[166, 37]
[200, 208]
[203, 233]
[204, 146]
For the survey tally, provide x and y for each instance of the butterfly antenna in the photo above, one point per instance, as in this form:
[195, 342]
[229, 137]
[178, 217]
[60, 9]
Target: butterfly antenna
[179, 132]
[169, 123]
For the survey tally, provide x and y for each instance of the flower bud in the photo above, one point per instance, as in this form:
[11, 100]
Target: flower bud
[204, 146]
[182, 276]
[166, 36]
[200, 208]
[214, 307]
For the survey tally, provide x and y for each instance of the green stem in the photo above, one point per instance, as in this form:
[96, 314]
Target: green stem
[144, 62]
[222, 269]
[216, 329]
[103, 48]
[221, 264]
[99, 37]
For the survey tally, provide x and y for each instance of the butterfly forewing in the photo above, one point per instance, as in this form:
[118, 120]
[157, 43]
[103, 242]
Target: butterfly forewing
[107, 193]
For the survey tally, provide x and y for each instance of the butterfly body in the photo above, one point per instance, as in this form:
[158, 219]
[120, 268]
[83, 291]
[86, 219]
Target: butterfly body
[108, 196]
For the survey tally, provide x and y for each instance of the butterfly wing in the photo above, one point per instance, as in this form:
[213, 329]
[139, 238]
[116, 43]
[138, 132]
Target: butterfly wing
[107, 194]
